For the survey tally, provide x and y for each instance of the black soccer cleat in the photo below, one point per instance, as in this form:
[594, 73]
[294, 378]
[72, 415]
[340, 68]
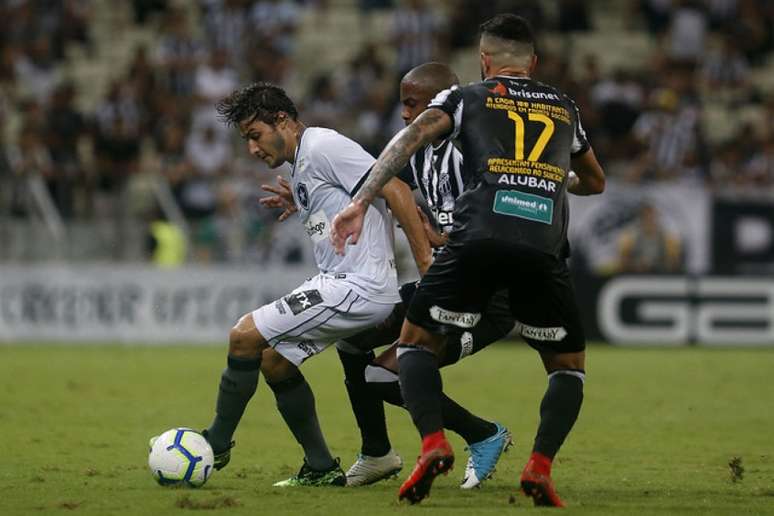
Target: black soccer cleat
[221, 458]
[308, 477]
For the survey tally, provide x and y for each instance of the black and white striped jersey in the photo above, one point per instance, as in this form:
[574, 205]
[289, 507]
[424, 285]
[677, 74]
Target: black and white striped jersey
[436, 171]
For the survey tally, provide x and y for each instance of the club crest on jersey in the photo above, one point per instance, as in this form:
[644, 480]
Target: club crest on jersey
[300, 301]
[302, 194]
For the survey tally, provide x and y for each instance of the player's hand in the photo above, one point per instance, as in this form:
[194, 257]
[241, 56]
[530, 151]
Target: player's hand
[572, 181]
[282, 198]
[436, 239]
[348, 224]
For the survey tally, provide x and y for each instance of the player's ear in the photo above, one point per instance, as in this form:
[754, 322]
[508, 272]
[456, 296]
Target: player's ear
[486, 65]
[533, 63]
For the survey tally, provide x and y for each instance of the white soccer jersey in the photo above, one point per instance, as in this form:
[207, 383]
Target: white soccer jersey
[328, 170]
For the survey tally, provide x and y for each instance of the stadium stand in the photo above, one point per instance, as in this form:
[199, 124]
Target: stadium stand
[108, 126]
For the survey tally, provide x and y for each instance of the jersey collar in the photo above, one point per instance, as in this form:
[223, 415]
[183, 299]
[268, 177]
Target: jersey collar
[298, 150]
[520, 78]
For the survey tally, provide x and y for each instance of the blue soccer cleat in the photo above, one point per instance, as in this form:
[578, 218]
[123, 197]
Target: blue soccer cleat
[484, 456]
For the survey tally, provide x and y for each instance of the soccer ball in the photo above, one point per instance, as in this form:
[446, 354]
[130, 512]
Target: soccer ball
[180, 457]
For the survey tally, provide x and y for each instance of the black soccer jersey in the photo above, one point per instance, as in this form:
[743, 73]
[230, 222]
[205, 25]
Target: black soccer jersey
[517, 136]
[437, 172]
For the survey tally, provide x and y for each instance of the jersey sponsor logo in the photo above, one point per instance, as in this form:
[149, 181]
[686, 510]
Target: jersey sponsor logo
[553, 334]
[279, 306]
[466, 344]
[317, 226]
[523, 205]
[459, 319]
[302, 194]
[300, 301]
[308, 347]
[444, 218]
[532, 182]
[524, 94]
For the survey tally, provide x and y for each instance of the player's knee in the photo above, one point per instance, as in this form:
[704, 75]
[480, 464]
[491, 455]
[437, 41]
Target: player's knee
[244, 340]
[556, 361]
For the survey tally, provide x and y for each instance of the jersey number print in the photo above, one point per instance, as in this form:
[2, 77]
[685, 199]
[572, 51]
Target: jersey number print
[542, 140]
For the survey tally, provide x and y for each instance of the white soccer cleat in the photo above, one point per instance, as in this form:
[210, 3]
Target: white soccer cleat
[367, 470]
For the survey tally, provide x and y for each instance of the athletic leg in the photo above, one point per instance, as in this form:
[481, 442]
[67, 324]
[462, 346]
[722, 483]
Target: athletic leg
[238, 383]
[296, 404]
[551, 324]
[486, 439]
[422, 390]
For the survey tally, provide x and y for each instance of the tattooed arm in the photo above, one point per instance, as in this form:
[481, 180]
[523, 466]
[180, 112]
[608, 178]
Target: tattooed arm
[428, 127]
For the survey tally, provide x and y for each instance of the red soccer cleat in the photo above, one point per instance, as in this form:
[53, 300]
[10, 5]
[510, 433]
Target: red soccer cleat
[437, 457]
[536, 482]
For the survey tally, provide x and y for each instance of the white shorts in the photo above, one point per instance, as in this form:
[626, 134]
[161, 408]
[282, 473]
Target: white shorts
[321, 311]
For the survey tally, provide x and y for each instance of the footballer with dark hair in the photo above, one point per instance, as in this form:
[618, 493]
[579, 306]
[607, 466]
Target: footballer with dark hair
[519, 139]
[349, 295]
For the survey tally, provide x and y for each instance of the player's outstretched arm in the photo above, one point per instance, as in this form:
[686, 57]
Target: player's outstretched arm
[401, 201]
[590, 178]
[428, 126]
[282, 198]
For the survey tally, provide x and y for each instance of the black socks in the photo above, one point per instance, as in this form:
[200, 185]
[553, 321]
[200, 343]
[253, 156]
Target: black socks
[295, 401]
[366, 405]
[559, 409]
[237, 385]
[421, 386]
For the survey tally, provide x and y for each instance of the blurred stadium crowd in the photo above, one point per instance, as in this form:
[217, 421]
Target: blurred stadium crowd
[110, 145]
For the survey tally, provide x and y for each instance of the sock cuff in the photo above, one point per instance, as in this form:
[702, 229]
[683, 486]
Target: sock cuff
[288, 383]
[411, 348]
[378, 374]
[244, 364]
[577, 373]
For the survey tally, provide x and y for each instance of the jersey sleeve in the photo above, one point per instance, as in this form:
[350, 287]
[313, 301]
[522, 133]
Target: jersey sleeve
[580, 144]
[343, 162]
[451, 102]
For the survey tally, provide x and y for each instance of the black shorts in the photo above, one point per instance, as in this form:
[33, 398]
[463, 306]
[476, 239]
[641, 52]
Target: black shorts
[496, 322]
[456, 291]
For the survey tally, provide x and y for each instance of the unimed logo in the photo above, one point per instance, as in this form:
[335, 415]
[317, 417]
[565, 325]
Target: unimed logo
[680, 310]
[524, 205]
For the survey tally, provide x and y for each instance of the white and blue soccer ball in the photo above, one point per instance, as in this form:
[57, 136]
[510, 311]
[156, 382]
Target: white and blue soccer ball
[180, 457]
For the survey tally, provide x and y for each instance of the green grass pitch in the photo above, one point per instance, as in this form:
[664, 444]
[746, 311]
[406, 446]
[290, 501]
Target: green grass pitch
[656, 434]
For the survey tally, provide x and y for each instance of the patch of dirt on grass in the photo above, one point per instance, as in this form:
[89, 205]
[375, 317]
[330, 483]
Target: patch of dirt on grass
[737, 470]
[220, 502]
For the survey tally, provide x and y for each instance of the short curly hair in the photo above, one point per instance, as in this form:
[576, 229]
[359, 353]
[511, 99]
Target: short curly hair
[259, 101]
[509, 27]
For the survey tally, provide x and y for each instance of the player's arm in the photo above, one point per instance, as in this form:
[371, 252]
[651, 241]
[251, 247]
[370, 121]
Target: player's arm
[401, 201]
[429, 126]
[589, 178]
